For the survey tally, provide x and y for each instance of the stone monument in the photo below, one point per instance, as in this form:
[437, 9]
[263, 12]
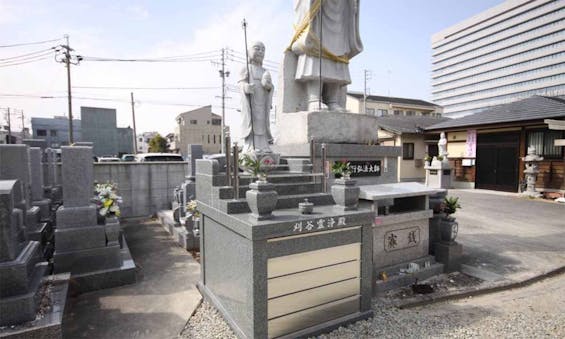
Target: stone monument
[21, 265]
[91, 252]
[438, 173]
[312, 95]
[15, 164]
[37, 192]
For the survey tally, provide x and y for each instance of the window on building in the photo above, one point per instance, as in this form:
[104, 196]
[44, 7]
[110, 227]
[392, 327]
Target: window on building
[407, 151]
[370, 111]
[53, 133]
[382, 113]
[544, 142]
[193, 122]
[41, 133]
[410, 113]
[140, 139]
[214, 139]
[208, 138]
[397, 112]
[220, 138]
[216, 122]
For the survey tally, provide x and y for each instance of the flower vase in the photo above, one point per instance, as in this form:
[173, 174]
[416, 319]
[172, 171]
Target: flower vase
[346, 193]
[262, 199]
[448, 229]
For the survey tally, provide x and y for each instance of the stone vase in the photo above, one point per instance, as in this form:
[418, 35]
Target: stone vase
[262, 199]
[448, 229]
[346, 194]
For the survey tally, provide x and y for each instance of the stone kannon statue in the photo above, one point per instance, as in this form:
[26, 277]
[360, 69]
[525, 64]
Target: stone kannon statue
[442, 146]
[256, 101]
[338, 23]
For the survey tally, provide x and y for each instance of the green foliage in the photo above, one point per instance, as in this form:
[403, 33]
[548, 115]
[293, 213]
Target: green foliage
[440, 157]
[450, 205]
[158, 144]
[255, 166]
[428, 158]
[341, 168]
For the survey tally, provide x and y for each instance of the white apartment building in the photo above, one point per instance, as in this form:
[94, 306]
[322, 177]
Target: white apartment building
[506, 53]
[143, 141]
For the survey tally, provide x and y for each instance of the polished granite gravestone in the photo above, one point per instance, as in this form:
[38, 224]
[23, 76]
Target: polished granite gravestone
[83, 247]
[37, 193]
[52, 189]
[31, 305]
[21, 265]
[293, 275]
[15, 164]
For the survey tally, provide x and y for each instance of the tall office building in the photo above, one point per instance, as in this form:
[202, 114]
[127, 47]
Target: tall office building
[507, 53]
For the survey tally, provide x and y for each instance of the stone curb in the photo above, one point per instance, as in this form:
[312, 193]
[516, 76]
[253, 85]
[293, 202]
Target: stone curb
[481, 291]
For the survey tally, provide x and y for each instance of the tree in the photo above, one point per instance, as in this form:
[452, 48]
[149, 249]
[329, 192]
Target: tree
[158, 144]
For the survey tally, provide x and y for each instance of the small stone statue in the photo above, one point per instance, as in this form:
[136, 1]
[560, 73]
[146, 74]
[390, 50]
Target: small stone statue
[442, 146]
[256, 101]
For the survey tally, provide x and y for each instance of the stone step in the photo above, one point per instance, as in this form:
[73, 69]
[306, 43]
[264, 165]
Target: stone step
[281, 177]
[226, 192]
[286, 201]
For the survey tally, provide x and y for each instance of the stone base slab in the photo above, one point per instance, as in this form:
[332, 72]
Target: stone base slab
[449, 254]
[89, 260]
[50, 324]
[108, 278]
[21, 308]
[70, 217]
[325, 126]
[80, 238]
[19, 276]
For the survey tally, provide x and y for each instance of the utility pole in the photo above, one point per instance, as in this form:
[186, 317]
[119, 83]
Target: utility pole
[66, 57]
[23, 124]
[134, 129]
[9, 141]
[367, 77]
[224, 74]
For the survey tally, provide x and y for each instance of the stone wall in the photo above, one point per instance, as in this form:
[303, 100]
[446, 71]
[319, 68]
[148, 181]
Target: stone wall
[145, 187]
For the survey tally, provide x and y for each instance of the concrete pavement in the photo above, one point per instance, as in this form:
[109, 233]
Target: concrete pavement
[507, 238]
[157, 306]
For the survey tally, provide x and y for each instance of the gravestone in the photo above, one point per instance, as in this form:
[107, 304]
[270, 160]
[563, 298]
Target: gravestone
[82, 247]
[21, 265]
[37, 195]
[53, 189]
[15, 164]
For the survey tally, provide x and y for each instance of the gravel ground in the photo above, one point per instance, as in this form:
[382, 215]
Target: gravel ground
[531, 312]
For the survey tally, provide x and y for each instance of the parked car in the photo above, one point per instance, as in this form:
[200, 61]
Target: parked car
[128, 157]
[108, 159]
[146, 157]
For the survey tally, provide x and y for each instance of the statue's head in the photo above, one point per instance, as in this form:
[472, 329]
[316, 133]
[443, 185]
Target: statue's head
[442, 135]
[257, 52]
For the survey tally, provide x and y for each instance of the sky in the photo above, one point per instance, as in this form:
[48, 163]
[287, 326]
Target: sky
[395, 33]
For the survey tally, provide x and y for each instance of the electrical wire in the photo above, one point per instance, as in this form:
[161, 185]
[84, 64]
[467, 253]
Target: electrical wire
[27, 54]
[30, 43]
[148, 88]
[24, 62]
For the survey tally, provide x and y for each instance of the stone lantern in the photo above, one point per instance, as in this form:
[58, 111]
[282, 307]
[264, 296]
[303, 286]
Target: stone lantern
[531, 172]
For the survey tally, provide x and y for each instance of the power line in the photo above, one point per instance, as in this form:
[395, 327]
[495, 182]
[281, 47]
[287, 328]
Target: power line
[27, 54]
[30, 43]
[148, 88]
[24, 62]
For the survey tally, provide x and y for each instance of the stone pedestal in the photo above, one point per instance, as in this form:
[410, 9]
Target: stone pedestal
[438, 174]
[449, 254]
[91, 252]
